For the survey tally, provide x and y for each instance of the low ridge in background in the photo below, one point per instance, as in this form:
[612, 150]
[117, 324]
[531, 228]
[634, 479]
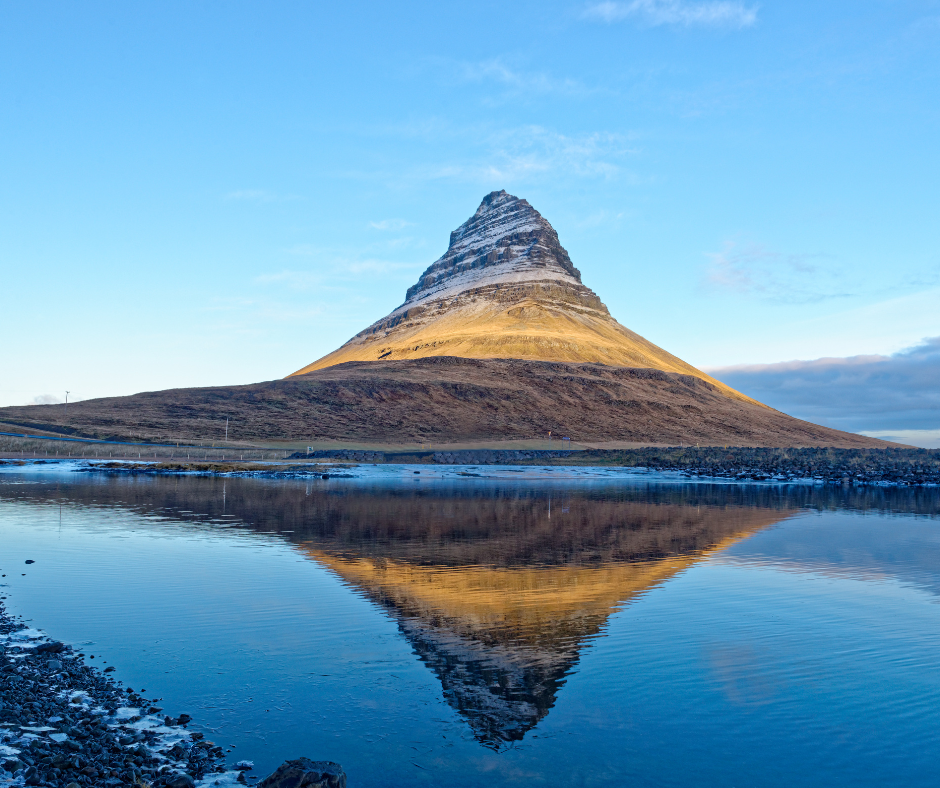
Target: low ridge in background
[498, 341]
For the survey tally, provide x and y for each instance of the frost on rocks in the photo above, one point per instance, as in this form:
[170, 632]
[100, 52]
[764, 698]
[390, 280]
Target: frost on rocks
[221, 780]
[90, 737]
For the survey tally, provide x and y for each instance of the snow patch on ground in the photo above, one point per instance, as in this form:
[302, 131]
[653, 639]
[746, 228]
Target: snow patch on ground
[22, 638]
[222, 779]
[504, 273]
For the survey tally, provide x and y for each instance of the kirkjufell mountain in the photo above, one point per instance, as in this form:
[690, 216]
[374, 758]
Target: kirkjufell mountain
[497, 341]
[506, 288]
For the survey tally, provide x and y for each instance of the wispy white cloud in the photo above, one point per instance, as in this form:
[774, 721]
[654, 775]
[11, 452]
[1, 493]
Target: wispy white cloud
[259, 196]
[712, 13]
[519, 154]
[402, 242]
[243, 316]
[295, 280]
[753, 269]
[494, 156]
[599, 219]
[516, 79]
[390, 224]
[335, 271]
[381, 267]
[303, 250]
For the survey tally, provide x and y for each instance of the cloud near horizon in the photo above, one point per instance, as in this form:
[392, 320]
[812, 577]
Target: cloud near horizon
[752, 269]
[884, 395]
[47, 399]
[715, 13]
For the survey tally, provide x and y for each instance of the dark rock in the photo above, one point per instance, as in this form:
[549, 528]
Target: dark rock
[304, 773]
[180, 781]
[53, 647]
[184, 718]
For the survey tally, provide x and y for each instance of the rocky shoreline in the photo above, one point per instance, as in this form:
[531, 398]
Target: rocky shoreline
[831, 466]
[65, 724]
[895, 467]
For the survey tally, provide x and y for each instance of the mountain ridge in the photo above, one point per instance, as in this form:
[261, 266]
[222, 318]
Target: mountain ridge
[447, 399]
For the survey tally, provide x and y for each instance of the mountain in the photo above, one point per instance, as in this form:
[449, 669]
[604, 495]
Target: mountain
[506, 288]
[499, 340]
[445, 400]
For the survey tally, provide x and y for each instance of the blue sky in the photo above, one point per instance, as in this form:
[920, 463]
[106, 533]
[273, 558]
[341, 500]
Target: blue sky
[196, 194]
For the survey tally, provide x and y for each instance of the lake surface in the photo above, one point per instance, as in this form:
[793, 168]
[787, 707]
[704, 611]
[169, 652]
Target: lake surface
[573, 628]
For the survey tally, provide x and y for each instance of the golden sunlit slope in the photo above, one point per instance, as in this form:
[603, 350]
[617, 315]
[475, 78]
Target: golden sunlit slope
[520, 325]
[506, 289]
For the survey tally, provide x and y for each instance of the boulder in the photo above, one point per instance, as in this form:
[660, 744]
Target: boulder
[180, 781]
[304, 773]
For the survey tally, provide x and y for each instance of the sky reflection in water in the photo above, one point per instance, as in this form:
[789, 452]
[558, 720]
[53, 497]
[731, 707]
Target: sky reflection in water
[461, 631]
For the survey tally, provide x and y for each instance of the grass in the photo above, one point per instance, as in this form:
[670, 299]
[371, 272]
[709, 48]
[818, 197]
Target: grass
[36, 448]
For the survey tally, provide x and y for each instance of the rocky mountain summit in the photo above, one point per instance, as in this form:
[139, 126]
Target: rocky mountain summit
[506, 288]
[505, 241]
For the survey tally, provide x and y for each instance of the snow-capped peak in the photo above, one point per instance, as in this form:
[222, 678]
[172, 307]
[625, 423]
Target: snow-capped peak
[506, 240]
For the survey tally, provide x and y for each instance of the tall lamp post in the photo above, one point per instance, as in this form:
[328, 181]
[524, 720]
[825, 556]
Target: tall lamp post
[66, 406]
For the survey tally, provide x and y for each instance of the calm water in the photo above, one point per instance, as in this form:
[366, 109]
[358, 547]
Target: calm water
[462, 631]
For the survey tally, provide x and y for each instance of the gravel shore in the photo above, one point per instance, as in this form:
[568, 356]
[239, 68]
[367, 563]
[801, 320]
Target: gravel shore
[885, 467]
[66, 724]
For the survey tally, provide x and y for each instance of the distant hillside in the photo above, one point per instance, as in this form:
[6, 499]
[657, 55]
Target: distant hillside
[445, 399]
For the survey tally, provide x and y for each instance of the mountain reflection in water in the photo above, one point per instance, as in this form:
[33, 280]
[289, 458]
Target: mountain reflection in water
[497, 586]
[498, 598]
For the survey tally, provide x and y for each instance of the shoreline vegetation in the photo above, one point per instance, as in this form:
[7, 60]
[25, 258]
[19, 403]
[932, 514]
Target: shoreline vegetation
[66, 724]
[882, 467]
